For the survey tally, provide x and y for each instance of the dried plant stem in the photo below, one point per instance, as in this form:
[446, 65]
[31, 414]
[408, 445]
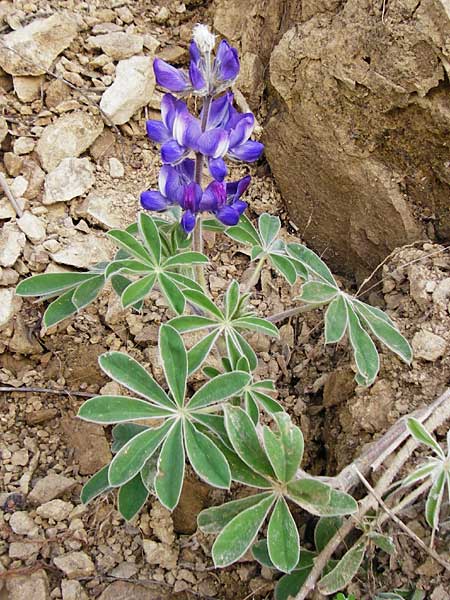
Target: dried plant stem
[9, 195]
[293, 312]
[254, 277]
[38, 390]
[402, 525]
[369, 502]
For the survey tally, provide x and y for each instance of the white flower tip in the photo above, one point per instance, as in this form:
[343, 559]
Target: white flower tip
[204, 39]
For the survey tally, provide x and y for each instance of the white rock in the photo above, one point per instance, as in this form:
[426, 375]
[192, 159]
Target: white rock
[28, 88]
[72, 590]
[68, 136]
[160, 554]
[33, 586]
[75, 564]
[7, 305]
[32, 227]
[6, 208]
[118, 45]
[37, 45]
[19, 186]
[24, 550]
[104, 208]
[55, 509]
[3, 128]
[116, 169]
[442, 291]
[428, 345]
[84, 252]
[12, 242]
[132, 89]
[73, 177]
[49, 487]
[20, 458]
[24, 145]
[22, 524]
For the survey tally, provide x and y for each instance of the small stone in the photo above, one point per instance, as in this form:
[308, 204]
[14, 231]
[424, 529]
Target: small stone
[3, 129]
[442, 292]
[32, 227]
[13, 163]
[24, 550]
[19, 186]
[58, 510]
[23, 145]
[151, 43]
[132, 89]
[12, 242]
[49, 487]
[20, 457]
[35, 177]
[428, 345]
[22, 524]
[163, 15]
[57, 92]
[84, 252]
[37, 45]
[31, 586]
[40, 416]
[164, 555]
[68, 136]
[75, 564]
[102, 208]
[125, 14]
[116, 169]
[124, 570]
[28, 88]
[7, 305]
[72, 590]
[118, 45]
[73, 177]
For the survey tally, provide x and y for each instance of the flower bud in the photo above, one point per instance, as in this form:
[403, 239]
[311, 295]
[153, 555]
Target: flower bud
[204, 39]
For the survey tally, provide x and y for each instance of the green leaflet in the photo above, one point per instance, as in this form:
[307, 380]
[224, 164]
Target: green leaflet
[325, 530]
[282, 538]
[284, 266]
[174, 360]
[238, 535]
[60, 309]
[200, 351]
[47, 284]
[313, 263]
[131, 458]
[131, 498]
[138, 290]
[231, 300]
[150, 236]
[336, 320]
[131, 245]
[320, 499]
[214, 519]
[218, 389]
[269, 227]
[257, 324]
[344, 571]
[434, 500]
[107, 410]
[123, 432]
[172, 293]
[128, 372]
[418, 431]
[170, 475]
[317, 292]
[366, 355]
[96, 485]
[205, 457]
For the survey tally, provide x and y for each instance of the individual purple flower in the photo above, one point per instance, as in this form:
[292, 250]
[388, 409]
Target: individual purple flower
[223, 200]
[172, 182]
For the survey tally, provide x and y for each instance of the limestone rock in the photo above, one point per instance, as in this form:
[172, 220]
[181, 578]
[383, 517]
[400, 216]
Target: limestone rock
[428, 345]
[22, 524]
[37, 45]
[118, 45]
[343, 92]
[132, 89]
[111, 208]
[72, 590]
[32, 227]
[8, 305]
[35, 177]
[24, 550]
[57, 509]
[3, 128]
[72, 177]
[23, 587]
[156, 553]
[12, 241]
[23, 145]
[28, 88]
[49, 487]
[75, 564]
[68, 136]
[116, 169]
[84, 252]
[441, 292]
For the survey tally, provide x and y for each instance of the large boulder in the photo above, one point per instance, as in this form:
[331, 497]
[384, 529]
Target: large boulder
[357, 134]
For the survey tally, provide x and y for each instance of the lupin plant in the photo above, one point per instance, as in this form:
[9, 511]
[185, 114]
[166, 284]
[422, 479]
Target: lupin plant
[217, 428]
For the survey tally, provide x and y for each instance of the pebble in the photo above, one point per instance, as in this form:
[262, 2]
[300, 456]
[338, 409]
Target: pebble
[132, 89]
[24, 550]
[85, 252]
[72, 590]
[37, 45]
[3, 129]
[428, 345]
[75, 564]
[73, 177]
[118, 45]
[32, 227]
[116, 169]
[12, 242]
[50, 487]
[23, 145]
[442, 291]
[7, 305]
[20, 458]
[25, 587]
[22, 524]
[58, 510]
[69, 136]
[156, 553]
[28, 88]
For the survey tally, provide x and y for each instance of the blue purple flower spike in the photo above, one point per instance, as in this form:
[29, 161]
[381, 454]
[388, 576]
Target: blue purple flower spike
[220, 132]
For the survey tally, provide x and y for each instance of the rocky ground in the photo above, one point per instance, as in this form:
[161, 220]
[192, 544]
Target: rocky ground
[74, 95]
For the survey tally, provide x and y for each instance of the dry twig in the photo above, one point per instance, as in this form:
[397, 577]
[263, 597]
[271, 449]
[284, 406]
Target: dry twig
[4, 185]
[38, 390]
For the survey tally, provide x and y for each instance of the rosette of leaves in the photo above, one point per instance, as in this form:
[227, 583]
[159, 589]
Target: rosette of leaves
[229, 322]
[348, 314]
[265, 244]
[152, 251]
[270, 465]
[180, 424]
[436, 467]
